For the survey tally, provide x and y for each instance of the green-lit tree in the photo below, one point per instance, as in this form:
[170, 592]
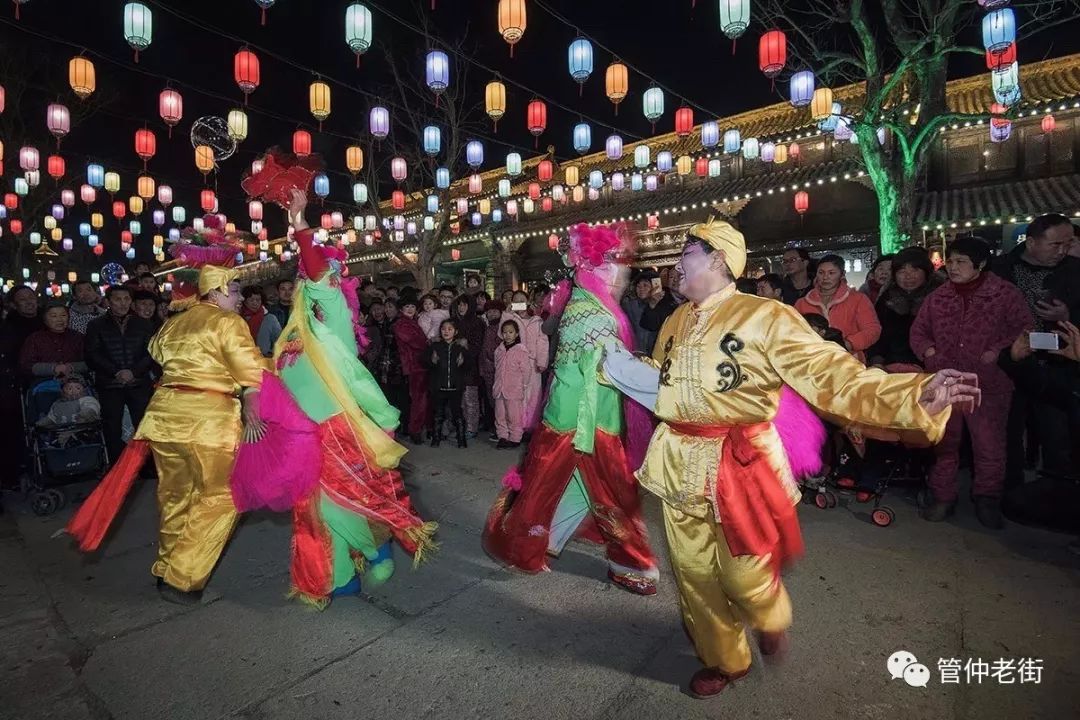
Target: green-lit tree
[900, 51]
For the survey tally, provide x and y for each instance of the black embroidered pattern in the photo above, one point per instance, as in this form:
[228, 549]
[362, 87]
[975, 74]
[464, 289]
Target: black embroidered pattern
[731, 375]
[665, 367]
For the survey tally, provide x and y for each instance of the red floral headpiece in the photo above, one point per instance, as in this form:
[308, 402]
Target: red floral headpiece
[281, 173]
[209, 246]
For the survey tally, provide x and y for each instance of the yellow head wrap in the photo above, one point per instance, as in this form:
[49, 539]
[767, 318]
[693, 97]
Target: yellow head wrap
[722, 236]
[214, 277]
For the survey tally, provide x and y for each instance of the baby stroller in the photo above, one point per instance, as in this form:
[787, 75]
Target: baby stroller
[865, 468]
[60, 455]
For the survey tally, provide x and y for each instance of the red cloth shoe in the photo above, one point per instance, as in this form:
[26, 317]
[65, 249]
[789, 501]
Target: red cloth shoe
[711, 681]
[633, 582]
[773, 644]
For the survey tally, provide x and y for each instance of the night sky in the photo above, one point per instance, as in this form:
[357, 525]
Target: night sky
[681, 48]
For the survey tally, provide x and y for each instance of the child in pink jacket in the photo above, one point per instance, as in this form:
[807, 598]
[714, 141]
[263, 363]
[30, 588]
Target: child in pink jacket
[536, 344]
[431, 317]
[513, 371]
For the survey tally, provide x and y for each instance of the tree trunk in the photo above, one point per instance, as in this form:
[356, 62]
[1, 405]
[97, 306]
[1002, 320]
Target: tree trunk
[502, 267]
[895, 186]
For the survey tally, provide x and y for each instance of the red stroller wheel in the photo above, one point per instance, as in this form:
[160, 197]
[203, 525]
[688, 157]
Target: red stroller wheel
[882, 516]
[821, 500]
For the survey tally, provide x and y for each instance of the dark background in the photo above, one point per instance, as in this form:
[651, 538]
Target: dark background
[681, 47]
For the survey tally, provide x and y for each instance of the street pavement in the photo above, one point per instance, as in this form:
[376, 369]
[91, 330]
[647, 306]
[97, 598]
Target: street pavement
[87, 637]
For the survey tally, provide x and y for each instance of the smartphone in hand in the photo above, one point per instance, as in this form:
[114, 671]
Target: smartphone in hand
[1044, 341]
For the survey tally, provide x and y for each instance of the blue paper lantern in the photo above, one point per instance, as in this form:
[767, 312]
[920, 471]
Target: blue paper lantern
[642, 156]
[174, 235]
[95, 175]
[437, 71]
[359, 193]
[3, 212]
[442, 178]
[496, 215]
[614, 147]
[92, 240]
[843, 129]
[710, 134]
[652, 104]
[476, 218]
[433, 203]
[714, 168]
[513, 164]
[474, 153]
[504, 188]
[179, 214]
[636, 182]
[432, 140]
[596, 179]
[135, 227]
[581, 60]
[732, 141]
[85, 230]
[322, 185]
[130, 255]
[664, 161]
[828, 125]
[1006, 84]
[999, 133]
[999, 30]
[582, 137]
[802, 88]
[750, 148]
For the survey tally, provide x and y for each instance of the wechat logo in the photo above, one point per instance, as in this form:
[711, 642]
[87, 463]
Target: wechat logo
[902, 665]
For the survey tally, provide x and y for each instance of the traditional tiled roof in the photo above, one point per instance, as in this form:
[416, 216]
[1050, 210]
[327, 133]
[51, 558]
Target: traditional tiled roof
[999, 203]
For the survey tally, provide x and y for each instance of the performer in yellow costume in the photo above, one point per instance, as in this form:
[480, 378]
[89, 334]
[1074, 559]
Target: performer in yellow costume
[716, 459]
[193, 425]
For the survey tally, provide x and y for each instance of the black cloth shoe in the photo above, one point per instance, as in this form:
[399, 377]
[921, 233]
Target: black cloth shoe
[988, 511]
[416, 439]
[938, 512]
[502, 444]
[178, 597]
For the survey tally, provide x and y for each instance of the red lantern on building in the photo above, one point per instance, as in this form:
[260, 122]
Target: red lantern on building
[546, 204]
[545, 170]
[772, 53]
[802, 202]
[56, 167]
[207, 200]
[537, 118]
[793, 151]
[398, 200]
[16, 226]
[11, 201]
[476, 184]
[99, 249]
[126, 237]
[534, 191]
[170, 108]
[1048, 124]
[1001, 60]
[301, 143]
[455, 254]
[246, 71]
[119, 209]
[553, 242]
[326, 221]
[701, 166]
[252, 248]
[145, 145]
[684, 121]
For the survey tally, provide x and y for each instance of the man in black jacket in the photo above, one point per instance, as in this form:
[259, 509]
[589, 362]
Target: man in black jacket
[658, 306]
[116, 349]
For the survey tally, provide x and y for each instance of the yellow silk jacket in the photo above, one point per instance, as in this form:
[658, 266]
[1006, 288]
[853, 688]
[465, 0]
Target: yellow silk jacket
[202, 349]
[723, 363]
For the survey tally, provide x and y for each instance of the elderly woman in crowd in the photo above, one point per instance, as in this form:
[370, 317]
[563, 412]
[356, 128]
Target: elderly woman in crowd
[911, 280]
[53, 352]
[881, 273]
[965, 324]
[848, 311]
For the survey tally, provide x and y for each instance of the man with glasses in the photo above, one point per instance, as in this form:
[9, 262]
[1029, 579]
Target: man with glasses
[798, 277]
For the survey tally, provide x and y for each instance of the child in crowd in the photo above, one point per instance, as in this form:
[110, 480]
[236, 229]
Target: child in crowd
[532, 336]
[75, 405]
[447, 359]
[513, 371]
[431, 317]
[412, 347]
[492, 339]
[821, 326]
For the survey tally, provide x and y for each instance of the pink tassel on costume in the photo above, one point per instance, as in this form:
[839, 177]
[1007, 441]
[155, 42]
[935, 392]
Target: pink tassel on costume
[512, 480]
[283, 467]
[802, 433]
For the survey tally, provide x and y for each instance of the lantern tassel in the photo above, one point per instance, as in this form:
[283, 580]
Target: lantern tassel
[733, 41]
[136, 57]
[580, 89]
[511, 52]
[616, 109]
[357, 61]
[170, 132]
[495, 125]
[436, 101]
[16, 11]
[264, 17]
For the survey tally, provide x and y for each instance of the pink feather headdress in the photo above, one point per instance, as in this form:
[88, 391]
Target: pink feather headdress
[209, 246]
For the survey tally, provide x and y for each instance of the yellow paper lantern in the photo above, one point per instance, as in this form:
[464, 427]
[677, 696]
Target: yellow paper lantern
[821, 104]
[112, 182]
[320, 100]
[230, 228]
[354, 159]
[616, 83]
[146, 187]
[50, 222]
[82, 77]
[485, 207]
[135, 204]
[512, 21]
[495, 100]
[578, 194]
[238, 125]
[73, 276]
[572, 175]
[159, 241]
[97, 221]
[684, 165]
[204, 158]
[57, 234]
[780, 155]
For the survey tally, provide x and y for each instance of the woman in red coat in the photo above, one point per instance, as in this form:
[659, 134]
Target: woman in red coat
[847, 310]
[412, 348]
[965, 324]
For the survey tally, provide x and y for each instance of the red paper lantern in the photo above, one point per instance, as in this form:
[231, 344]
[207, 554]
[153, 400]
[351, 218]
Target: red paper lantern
[793, 151]
[251, 248]
[398, 200]
[11, 201]
[772, 53]
[546, 204]
[207, 200]
[56, 167]
[99, 249]
[701, 166]
[684, 121]
[1048, 124]
[170, 108]
[545, 170]
[246, 71]
[553, 242]
[325, 221]
[145, 144]
[126, 237]
[301, 143]
[1001, 60]
[88, 194]
[455, 254]
[802, 202]
[534, 191]
[119, 209]
[455, 228]
[537, 117]
[16, 226]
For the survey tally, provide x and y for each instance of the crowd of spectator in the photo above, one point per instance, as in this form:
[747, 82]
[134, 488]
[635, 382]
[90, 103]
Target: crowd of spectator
[457, 362]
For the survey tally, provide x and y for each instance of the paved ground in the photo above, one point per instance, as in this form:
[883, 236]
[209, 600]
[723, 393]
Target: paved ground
[462, 638]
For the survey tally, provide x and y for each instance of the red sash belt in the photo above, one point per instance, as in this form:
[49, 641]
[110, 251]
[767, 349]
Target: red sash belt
[755, 512]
